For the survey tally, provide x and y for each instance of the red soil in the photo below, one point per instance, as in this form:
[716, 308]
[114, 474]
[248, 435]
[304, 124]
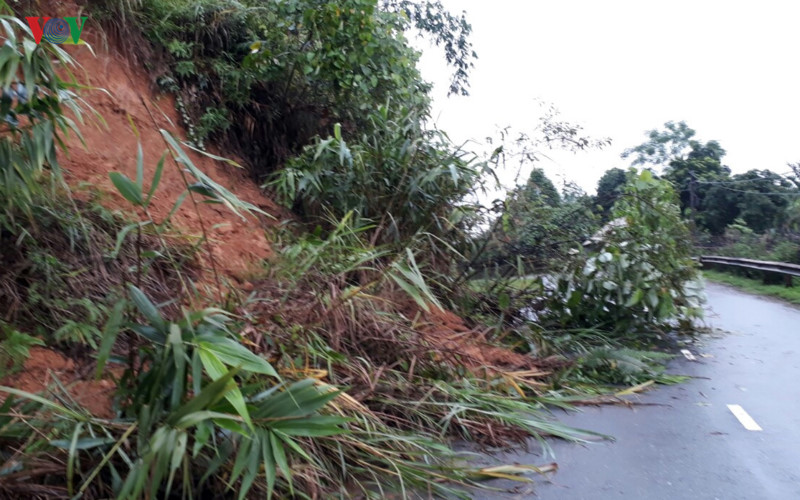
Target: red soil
[448, 333]
[123, 96]
[44, 366]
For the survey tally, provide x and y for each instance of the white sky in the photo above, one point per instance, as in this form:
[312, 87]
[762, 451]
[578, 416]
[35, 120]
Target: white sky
[730, 69]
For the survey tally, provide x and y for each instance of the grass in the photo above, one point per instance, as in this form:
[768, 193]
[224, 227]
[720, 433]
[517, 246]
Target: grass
[755, 286]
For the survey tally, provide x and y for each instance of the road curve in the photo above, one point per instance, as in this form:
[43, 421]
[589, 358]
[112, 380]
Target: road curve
[686, 443]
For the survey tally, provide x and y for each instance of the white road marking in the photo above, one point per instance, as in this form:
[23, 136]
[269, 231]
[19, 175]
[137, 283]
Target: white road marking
[688, 355]
[745, 419]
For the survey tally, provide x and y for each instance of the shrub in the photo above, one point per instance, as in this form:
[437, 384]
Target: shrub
[639, 273]
[267, 77]
[31, 112]
[786, 251]
[403, 178]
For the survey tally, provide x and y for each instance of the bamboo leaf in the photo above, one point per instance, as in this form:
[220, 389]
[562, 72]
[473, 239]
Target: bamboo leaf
[279, 454]
[126, 188]
[216, 370]
[233, 353]
[210, 394]
[156, 179]
[53, 406]
[269, 462]
[110, 332]
[139, 169]
[148, 309]
[225, 196]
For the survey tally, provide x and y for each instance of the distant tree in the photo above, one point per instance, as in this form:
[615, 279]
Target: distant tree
[662, 146]
[693, 177]
[695, 170]
[763, 200]
[609, 187]
[571, 191]
[719, 209]
[711, 150]
[791, 221]
[760, 198]
[539, 186]
[538, 227]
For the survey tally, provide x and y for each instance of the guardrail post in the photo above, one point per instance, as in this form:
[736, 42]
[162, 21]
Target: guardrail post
[787, 280]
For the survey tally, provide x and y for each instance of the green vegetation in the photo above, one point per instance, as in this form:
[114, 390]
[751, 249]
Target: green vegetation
[267, 79]
[346, 369]
[639, 274]
[750, 215]
[726, 210]
[755, 285]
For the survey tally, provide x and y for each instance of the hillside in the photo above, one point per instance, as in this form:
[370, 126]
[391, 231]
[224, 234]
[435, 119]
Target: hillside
[126, 111]
[124, 99]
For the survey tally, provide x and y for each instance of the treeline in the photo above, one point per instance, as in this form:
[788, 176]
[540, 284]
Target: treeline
[754, 214]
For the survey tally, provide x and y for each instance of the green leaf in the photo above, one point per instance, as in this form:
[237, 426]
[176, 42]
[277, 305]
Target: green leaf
[242, 455]
[233, 353]
[317, 426]
[156, 179]
[210, 395]
[503, 301]
[121, 237]
[83, 443]
[71, 458]
[177, 204]
[298, 400]
[269, 462]
[178, 454]
[635, 298]
[216, 370]
[410, 290]
[53, 406]
[279, 454]
[175, 340]
[253, 462]
[229, 199]
[148, 309]
[110, 332]
[139, 169]
[126, 188]
[199, 417]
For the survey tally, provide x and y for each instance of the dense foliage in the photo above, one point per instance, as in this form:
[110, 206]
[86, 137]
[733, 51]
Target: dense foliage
[32, 119]
[267, 77]
[538, 228]
[751, 214]
[638, 274]
[399, 176]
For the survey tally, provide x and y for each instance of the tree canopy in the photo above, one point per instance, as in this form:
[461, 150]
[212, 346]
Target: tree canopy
[609, 188]
[662, 146]
[709, 194]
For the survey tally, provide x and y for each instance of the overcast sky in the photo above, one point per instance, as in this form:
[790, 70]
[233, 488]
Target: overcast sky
[730, 69]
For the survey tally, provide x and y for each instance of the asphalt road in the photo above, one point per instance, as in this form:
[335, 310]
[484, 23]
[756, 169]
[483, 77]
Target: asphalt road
[686, 443]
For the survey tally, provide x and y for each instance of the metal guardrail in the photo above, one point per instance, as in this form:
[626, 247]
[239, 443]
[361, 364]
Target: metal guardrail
[762, 265]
